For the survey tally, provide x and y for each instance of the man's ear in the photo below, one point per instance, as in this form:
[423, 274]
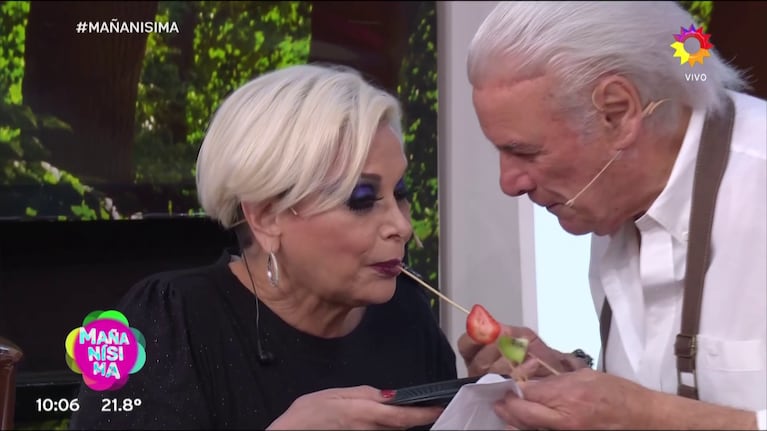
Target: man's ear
[263, 225]
[617, 100]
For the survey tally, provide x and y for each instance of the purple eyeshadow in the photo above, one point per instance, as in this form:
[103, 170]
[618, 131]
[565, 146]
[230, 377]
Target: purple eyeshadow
[363, 191]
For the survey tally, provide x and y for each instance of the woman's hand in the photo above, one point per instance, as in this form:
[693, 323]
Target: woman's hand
[359, 407]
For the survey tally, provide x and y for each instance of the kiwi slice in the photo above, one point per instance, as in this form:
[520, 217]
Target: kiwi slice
[513, 349]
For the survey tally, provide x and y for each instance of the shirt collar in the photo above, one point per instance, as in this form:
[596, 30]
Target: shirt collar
[671, 209]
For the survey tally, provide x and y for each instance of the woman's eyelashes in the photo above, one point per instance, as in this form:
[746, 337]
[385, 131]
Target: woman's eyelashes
[401, 191]
[365, 196]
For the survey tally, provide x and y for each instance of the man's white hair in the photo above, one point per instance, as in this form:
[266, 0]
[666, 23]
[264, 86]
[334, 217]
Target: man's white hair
[290, 134]
[578, 42]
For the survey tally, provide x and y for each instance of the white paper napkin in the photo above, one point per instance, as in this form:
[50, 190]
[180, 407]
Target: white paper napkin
[472, 406]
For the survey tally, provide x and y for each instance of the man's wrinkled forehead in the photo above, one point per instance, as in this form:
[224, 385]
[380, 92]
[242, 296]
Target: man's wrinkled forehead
[504, 69]
[535, 88]
[503, 104]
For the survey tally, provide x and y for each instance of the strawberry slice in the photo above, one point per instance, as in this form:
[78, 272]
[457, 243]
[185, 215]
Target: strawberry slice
[481, 326]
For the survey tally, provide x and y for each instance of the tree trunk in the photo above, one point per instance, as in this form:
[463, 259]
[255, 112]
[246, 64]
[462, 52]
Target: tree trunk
[89, 81]
[183, 44]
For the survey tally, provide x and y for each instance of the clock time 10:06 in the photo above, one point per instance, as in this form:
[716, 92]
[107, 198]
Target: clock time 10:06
[107, 405]
[60, 405]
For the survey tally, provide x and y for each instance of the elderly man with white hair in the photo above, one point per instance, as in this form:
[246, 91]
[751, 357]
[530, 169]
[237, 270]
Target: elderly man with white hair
[596, 120]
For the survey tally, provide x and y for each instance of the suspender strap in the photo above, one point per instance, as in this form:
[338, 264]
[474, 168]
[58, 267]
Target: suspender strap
[709, 169]
[605, 318]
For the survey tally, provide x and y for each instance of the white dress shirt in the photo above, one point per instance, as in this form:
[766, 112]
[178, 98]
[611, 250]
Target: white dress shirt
[644, 285]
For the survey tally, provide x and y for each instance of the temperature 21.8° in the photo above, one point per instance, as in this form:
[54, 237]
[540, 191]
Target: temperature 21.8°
[120, 405]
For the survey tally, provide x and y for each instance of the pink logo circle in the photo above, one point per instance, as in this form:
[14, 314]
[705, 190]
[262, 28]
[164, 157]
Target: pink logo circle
[106, 351]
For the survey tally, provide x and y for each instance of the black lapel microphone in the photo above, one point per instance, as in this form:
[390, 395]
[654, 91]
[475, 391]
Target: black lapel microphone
[265, 357]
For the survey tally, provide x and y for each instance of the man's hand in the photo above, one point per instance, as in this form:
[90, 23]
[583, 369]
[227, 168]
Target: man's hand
[482, 359]
[588, 399]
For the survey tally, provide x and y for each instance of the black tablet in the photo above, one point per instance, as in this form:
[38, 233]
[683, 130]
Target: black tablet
[430, 394]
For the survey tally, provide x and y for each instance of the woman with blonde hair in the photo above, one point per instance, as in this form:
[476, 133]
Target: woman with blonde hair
[308, 325]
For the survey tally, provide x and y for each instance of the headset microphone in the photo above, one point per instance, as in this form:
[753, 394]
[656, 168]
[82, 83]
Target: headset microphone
[570, 203]
[646, 112]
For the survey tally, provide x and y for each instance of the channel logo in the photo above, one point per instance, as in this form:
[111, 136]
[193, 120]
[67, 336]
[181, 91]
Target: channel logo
[682, 53]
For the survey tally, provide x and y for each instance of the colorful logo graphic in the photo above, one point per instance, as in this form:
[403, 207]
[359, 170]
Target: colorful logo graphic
[681, 52]
[105, 350]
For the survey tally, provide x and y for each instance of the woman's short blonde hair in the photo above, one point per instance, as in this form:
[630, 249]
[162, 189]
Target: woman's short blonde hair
[289, 134]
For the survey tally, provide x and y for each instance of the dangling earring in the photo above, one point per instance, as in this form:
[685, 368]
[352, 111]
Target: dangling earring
[272, 270]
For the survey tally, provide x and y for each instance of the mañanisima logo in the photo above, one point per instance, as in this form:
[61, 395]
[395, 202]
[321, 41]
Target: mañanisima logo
[105, 350]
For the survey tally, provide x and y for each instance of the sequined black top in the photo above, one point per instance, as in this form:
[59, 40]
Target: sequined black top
[202, 368]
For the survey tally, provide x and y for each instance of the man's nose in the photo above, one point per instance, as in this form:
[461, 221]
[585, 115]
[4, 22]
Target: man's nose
[515, 181]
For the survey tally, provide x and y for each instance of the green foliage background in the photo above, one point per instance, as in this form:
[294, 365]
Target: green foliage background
[418, 94]
[22, 154]
[233, 42]
[701, 12]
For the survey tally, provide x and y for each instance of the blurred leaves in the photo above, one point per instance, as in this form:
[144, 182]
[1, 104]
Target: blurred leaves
[701, 12]
[418, 94]
[30, 186]
[182, 82]
[13, 22]
[185, 77]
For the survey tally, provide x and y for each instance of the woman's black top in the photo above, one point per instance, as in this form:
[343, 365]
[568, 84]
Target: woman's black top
[202, 368]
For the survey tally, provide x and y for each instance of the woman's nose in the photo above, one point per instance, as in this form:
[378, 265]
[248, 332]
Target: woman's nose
[400, 223]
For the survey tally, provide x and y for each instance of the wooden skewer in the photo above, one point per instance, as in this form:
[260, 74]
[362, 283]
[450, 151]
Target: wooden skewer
[460, 307]
[435, 291]
[551, 369]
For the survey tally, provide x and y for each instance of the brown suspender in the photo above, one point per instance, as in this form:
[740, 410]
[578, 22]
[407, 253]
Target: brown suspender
[709, 169]
[605, 319]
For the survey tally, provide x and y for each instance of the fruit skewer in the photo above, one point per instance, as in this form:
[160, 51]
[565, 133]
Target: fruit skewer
[468, 313]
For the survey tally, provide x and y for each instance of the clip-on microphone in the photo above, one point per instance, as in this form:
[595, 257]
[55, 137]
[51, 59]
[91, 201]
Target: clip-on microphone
[265, 357]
